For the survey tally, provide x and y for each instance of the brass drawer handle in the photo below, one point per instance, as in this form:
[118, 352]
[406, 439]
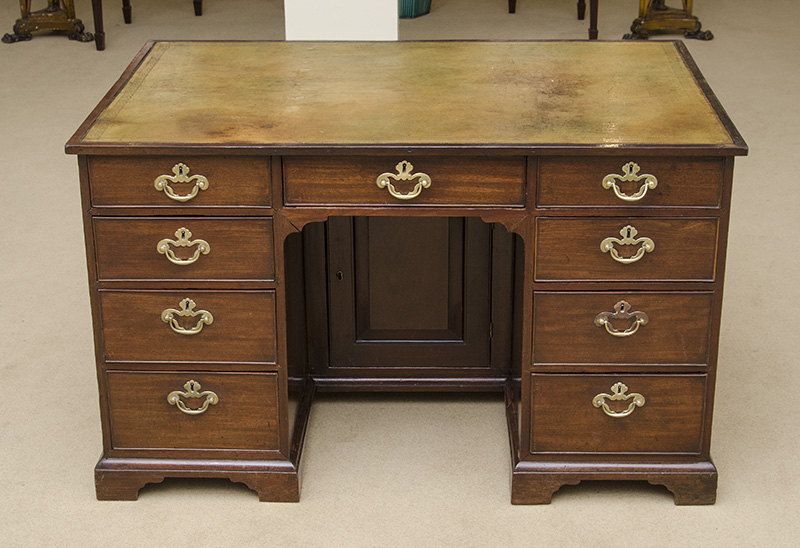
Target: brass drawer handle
[187, 306]
[183, 236]
[181, 175]
[192, 391]
[628, 234]
[631, 173]
[404, 169]
[622, 312]
[618, 394]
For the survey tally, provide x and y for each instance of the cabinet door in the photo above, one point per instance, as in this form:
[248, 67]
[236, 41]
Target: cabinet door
[409, 294]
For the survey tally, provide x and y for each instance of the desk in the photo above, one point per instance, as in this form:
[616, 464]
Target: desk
[241, 199]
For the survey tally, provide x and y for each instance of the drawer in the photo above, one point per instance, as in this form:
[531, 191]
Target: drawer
[240, 328]
[218, 411]
[658, 181]
[177, 248]
[635, 249]
[566, 420]
[333, 180]
[211, 180]
[622, 328]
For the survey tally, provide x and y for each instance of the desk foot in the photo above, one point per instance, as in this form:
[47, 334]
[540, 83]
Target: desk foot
[122, 479]
[690, 483]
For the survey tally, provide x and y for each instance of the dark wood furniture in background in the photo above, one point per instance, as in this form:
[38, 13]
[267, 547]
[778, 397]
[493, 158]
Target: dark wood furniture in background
[126, 9]
[251, 210]
[656, 16]
[512, 8]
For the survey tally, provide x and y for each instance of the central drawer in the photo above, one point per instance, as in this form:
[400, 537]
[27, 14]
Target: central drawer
[468, 180]
[565, 418]
[188, 248]
[189, 326]
[219, 411]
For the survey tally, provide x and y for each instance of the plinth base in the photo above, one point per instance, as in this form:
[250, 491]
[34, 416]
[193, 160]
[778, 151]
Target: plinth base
[121, 479]
[690, 483]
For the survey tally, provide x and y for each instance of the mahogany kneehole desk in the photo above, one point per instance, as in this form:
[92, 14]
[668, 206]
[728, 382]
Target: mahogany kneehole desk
[547, 219]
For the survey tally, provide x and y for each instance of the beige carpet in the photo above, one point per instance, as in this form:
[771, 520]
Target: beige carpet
[394, 470]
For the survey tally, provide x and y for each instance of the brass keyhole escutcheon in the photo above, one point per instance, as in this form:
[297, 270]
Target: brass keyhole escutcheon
[404, 173]
[630, 173]
[192, 391]
[624, 312]
[187, 310]
[618, 393]
[183, 240]
[628, 233]
[180, 175]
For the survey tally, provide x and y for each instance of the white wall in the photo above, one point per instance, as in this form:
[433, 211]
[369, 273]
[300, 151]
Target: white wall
[341, 19]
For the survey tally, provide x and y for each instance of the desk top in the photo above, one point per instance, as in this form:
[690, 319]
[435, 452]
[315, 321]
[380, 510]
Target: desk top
[512, 95]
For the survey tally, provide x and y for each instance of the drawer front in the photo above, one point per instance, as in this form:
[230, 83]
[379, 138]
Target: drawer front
[566, 420]
[622, 328]
[671, 182]
[202, 181]
[221, 411]
[184, 248]
[632, 249]
[476, 181]
[240, 328]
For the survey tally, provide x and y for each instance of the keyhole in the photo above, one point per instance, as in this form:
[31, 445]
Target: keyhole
[340, 275]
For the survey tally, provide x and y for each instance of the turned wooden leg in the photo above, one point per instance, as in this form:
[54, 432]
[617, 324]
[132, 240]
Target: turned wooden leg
[99, 32]
[198, 7]
[512, 6]
[581, 9]
[126, 11]
[593, 19]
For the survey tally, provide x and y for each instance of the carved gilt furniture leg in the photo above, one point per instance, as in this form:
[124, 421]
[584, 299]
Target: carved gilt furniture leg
[59, 15]
[20, 35]
[656, 16]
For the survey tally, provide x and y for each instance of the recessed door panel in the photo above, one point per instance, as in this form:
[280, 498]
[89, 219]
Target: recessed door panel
[408, 293]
